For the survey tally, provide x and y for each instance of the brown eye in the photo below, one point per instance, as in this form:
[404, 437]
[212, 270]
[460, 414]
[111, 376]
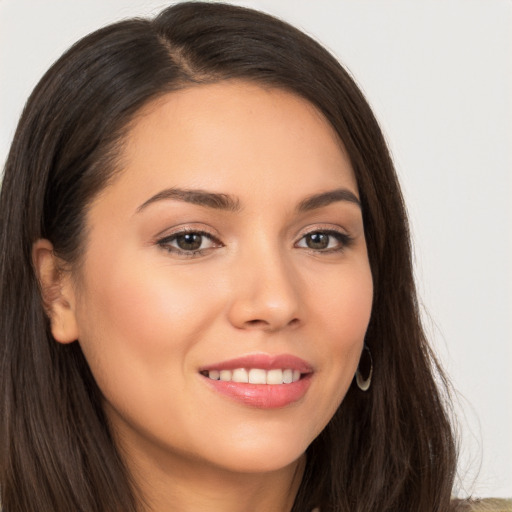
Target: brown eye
[189, 241]
[325, 241]
[317, 241]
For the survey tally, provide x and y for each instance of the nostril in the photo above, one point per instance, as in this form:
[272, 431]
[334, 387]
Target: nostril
[294, 322]
[257, 323]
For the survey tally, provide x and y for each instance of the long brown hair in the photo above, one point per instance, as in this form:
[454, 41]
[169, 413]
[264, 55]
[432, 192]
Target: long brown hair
[388, 449]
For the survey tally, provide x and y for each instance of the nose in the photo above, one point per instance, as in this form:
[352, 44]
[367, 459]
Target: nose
[265, 293]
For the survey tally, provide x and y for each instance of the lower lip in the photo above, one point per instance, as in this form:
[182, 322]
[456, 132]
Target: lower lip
[263, 396]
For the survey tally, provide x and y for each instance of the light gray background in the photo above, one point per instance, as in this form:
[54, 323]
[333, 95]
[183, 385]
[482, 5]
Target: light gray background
[439, 76]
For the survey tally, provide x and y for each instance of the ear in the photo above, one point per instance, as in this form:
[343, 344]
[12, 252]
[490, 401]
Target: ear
[57, 291]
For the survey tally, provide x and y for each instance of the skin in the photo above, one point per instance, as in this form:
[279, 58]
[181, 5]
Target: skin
[148, 317]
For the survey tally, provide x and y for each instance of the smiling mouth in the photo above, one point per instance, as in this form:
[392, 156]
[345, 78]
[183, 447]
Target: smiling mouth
[274, 376]
[259, 380]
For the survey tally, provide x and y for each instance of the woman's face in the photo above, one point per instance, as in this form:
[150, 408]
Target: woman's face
[230, 246]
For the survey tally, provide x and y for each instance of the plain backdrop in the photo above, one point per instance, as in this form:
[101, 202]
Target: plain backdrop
[439, 77]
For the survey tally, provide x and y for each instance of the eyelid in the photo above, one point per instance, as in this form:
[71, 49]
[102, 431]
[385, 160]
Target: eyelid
[164, 241]
[343, 237]
[186, 227]
[324, 228]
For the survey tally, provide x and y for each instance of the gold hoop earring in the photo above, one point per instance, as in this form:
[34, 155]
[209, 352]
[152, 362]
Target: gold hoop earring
[365, 367]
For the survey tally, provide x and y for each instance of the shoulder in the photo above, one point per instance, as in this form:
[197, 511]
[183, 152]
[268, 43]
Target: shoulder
[482, 505]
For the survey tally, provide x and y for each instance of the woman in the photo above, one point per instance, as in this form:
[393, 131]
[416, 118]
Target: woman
[203, 242]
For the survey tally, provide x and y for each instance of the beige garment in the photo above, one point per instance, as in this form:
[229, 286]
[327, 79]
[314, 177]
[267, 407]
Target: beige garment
[484, 505]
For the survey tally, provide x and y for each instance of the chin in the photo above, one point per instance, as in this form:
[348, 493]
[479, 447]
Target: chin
[260, 454]
[256, 463]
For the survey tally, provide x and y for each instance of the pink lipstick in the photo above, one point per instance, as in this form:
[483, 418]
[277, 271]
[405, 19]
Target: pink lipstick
[260, 380]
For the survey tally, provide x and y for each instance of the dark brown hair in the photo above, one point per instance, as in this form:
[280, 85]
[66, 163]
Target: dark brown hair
[388, 449]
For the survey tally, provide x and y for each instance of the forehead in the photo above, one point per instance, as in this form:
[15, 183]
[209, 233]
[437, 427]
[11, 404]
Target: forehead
[233, 135]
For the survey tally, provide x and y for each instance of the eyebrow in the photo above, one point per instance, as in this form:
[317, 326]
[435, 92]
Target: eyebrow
[199, 197]
[229, 203]
[327, 198]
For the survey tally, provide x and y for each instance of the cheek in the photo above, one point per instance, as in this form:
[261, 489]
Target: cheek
[140, 320]
[345, 306]
[146, 299]
[341, 309]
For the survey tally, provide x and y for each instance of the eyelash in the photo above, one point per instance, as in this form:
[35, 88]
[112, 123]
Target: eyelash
[344, 241]
[165, 242]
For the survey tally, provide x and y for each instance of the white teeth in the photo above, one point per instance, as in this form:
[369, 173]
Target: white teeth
[225, 375]
[287, 376]
[214, 374]
[275, 377]
[256, 376]
[240, 375]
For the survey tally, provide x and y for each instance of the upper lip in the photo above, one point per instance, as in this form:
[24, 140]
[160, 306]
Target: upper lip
[262, 361]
